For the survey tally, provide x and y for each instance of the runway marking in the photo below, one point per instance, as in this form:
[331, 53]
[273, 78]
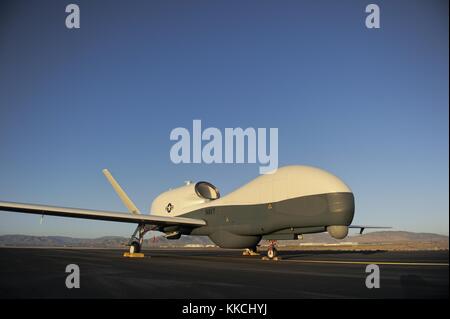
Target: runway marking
[368, 262]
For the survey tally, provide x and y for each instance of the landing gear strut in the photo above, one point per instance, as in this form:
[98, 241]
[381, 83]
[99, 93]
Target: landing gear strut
[136, 241]
[272, 251]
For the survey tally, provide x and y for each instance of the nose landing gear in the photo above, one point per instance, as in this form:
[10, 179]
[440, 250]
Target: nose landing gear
[272, 251]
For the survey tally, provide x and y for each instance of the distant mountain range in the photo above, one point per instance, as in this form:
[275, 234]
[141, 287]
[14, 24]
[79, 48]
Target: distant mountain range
[380, 237]
[100, 242]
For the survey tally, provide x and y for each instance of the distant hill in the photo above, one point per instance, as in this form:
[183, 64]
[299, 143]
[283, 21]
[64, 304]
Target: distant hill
[379, 237]
[399, 236]
[101, 242]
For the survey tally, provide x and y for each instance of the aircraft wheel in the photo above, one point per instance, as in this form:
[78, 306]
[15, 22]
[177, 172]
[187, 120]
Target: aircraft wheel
[272, 253]
[135, 247]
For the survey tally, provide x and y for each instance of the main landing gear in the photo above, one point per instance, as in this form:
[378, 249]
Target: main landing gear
[136, 241]
[250, 252]
[272, 251]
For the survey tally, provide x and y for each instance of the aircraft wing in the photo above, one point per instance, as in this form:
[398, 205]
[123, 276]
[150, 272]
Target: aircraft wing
[362, 227]
[99, 215]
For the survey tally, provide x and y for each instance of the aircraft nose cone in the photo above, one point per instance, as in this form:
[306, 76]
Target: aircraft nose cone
[342, 207]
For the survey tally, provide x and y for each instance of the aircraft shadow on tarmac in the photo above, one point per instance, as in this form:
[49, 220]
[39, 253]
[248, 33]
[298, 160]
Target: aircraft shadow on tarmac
[284, 254]
[298, 254]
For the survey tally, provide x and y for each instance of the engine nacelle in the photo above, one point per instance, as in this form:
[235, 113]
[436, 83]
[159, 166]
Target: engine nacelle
[338, 232]
[181, 200]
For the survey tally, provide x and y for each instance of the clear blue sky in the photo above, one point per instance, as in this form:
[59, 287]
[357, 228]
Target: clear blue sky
[371, 106]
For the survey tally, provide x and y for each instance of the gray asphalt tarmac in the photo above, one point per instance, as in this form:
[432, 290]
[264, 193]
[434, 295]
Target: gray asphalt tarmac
[217, 273]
